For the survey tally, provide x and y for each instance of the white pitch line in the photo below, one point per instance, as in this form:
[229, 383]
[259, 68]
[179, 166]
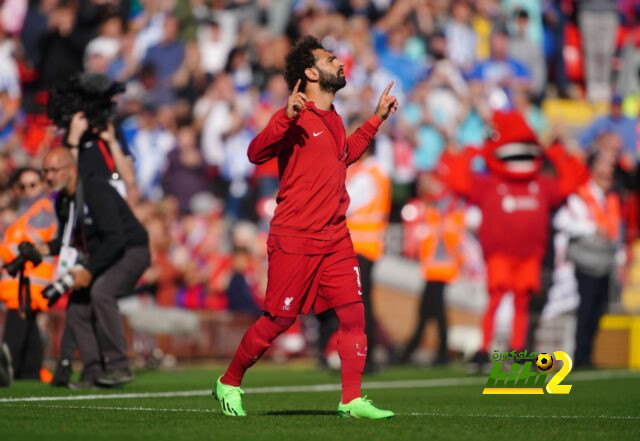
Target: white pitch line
[431, 414]
[473, 415]
[122, 408]
[401, 384]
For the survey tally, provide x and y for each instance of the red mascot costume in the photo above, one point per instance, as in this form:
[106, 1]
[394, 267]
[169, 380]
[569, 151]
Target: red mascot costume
[516, 200]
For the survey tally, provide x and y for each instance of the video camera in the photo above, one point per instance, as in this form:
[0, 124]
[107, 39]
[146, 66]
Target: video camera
[86, 92]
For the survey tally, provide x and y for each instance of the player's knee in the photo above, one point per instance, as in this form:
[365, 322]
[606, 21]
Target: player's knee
[278, 324]
[351, 317]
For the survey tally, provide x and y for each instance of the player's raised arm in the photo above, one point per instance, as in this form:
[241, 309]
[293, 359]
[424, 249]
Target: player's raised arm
[358, 142]
[387, 104]
[267, 143]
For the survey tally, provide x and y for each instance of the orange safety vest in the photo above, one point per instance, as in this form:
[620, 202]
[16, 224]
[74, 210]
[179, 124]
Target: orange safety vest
[40, 276]
[441, 236]
[607, 218]
[368, 223]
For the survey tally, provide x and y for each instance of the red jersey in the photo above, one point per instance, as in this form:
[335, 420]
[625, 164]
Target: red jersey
[313, 153]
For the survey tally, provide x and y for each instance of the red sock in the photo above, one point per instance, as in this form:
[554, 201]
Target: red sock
[255, 342]
[352, 348]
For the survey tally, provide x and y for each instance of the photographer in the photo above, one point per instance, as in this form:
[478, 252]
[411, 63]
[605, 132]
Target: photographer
[114, 252]
[36, 223]
[83, 105]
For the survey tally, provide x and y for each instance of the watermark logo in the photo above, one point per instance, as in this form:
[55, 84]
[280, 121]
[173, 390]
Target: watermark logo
[521, 378]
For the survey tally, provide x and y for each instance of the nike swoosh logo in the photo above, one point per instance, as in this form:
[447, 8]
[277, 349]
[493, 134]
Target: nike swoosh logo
[361, 355]
[318, 134]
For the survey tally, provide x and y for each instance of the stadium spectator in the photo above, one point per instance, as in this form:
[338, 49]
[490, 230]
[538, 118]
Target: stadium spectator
[628, 84]
[240, 291]
[439, 223]
[62, 46]
[216, 38]
[189, 81]
[555, 23]
[185, 174]
[592, 219]
[36, 223]
[150, 143]
[523, 49]
[598, 21]
[461, 39]
[533, 27]
[486, 16]
[391, 39]
[493, 81]
[615, 122]
[166, 58]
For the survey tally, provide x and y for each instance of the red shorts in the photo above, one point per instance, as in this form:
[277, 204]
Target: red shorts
[520, 274]
[298, 282]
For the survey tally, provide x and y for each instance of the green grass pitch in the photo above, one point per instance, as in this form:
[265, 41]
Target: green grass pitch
[444, 403]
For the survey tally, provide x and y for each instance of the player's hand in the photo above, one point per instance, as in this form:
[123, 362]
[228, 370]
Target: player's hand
[81, 277]
[296, 102]
[78, 126]
[387, 104]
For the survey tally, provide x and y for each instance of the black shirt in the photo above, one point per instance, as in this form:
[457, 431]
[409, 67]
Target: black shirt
[91, 161]
[109, 226]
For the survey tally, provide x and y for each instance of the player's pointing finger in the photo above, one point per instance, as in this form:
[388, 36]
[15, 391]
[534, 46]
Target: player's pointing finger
[387, 89]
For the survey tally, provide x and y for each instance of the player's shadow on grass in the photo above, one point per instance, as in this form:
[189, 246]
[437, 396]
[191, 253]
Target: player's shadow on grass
[300, 412]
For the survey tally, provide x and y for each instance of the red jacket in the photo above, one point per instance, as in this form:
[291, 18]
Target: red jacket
[313, 153]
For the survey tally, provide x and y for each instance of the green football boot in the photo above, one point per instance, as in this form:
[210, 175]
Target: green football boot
[362, 408]
[230, 398]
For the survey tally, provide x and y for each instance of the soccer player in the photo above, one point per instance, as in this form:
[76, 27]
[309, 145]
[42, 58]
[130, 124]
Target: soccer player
[312, 263]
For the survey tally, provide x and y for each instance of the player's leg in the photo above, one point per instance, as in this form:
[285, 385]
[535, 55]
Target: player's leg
[366, 280]
[352, 348]
[254, 344]
[338, 289]
[291, 279]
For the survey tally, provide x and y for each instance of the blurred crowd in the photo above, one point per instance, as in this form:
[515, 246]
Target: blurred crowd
[204, 76]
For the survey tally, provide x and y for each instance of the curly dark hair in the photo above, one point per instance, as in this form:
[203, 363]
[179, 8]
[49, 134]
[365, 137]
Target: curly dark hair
[299, 58]
[87, 92]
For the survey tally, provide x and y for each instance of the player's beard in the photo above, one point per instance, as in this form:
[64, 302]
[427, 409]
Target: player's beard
[331, 83]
